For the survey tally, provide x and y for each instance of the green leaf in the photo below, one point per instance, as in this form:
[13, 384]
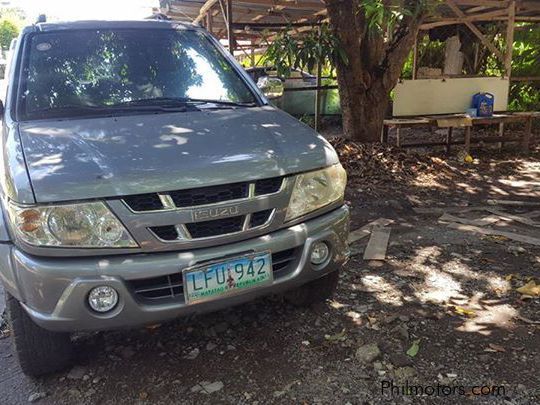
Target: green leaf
[413, 350]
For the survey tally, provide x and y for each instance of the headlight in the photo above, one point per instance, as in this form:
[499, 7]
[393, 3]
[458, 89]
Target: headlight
[315, 190]
[85, 225]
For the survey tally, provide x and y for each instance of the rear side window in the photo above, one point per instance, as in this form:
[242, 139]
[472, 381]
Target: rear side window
[101, 68]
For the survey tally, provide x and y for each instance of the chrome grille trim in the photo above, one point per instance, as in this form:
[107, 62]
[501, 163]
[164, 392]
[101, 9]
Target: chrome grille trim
[169, 205]
[139, 223]
[167, 202]
[183, 232]
[247, 221]
[251, 189]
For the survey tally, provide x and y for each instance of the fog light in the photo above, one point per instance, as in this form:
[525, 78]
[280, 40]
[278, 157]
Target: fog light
[102, 298]
[320, 253]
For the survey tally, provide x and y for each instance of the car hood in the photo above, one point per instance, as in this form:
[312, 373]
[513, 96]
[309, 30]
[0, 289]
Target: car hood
[116, 156]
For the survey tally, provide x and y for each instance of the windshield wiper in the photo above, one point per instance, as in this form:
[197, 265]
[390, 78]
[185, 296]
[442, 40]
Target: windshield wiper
[180, 102]
[164, 104]
[68, 110]
[157, 102]
[226, 102]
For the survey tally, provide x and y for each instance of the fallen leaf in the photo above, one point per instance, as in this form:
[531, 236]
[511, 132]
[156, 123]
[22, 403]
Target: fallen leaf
[466, 312]
[497, 348]
[495, 238]
[531, 288]
[337, 337]
[413, 350]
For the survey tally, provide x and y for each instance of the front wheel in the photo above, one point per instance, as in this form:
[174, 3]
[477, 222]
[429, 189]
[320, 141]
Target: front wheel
[39, 351]
[315, 291]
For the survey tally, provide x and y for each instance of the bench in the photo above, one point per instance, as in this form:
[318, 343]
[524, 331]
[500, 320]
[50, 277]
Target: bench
[462, 121]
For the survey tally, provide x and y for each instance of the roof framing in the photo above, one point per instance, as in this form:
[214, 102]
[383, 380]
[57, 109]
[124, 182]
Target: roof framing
[257, 21]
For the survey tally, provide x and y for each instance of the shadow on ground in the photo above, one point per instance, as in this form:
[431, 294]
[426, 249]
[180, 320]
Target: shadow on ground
[446, 295]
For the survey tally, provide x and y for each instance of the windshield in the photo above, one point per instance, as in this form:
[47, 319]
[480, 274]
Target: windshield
[80, 72]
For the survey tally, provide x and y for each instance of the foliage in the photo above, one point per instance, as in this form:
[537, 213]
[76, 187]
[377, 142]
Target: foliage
[288, 51]
[8, 31]
[309, 120]
[526, 96]
[381, 17]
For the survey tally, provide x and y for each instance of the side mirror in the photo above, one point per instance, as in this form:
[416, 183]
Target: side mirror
[272, 87]
[1, 109]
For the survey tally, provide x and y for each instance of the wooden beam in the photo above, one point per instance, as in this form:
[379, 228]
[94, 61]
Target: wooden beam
[299, 5]
[204, 9]
[230, 31]
[378, 244]
[510, 39]
[209, 22]
[489, 16]
[488, 3]
[457, 11]
[318, 91]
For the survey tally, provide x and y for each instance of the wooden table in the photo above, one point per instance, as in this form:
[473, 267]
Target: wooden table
[462, 121]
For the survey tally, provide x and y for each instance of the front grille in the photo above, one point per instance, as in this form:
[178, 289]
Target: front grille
[260, 218]
[158, 287]
[216, 227]
[167, 232]
[281, 261]
[171, 286]
[144, 202]
[209, 195]
[268, 186]
[203, 195]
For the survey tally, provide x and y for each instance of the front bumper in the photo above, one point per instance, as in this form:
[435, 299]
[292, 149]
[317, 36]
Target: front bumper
[54, 290]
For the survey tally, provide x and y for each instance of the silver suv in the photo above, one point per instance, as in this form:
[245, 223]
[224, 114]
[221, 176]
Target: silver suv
[145, 177]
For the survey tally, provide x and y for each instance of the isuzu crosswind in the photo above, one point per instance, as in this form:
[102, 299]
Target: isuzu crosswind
[146, 177]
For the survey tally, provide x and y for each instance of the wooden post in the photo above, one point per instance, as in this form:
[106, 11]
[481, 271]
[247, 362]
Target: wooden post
[230, 32]
[468, 140]
[415, 59]
[476, 57]
[384, 133]
[318, 91]
[500, 145]
[252, 54]
[510, 39]
[449, 139]
[527, 135]
[209, 21]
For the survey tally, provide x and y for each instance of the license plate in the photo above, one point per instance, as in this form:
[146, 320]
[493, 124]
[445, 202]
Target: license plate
[229, 277]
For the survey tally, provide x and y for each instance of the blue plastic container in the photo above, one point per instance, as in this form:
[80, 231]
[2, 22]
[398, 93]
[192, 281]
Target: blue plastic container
[483, 102]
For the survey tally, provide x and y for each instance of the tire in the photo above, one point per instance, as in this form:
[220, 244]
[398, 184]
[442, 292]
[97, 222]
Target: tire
[39, 351]
[314, 292]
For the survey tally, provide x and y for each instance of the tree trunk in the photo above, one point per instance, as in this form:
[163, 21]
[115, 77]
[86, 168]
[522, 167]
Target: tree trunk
[363, 110]
[373, 66]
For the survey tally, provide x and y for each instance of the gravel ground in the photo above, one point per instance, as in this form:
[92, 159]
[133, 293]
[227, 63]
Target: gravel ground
[442, 312]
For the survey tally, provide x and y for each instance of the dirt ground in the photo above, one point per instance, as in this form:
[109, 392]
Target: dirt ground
[441, 313]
